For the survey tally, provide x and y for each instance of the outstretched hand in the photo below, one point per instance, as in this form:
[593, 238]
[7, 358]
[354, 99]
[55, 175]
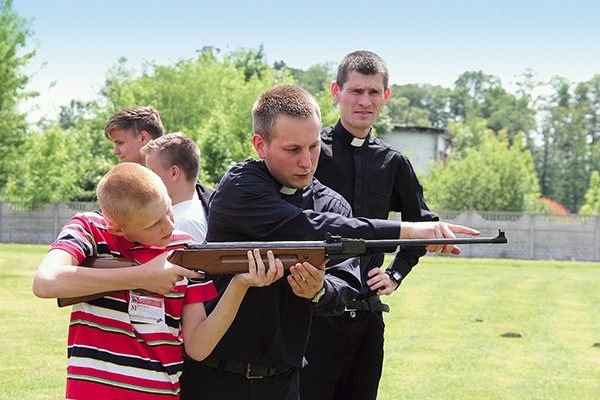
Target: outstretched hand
[436, 230]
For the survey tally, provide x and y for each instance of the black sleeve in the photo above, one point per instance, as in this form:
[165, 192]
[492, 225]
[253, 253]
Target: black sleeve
[252, 208]
[408, 195]
[342, 284]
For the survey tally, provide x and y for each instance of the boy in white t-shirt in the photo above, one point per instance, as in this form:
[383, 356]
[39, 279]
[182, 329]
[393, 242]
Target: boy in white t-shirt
[176, 159]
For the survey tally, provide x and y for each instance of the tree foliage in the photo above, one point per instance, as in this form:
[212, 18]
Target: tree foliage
[494, 176]
[420, 104]
[317, 78]
[208, 97]
[568, 143]
[508, 149]
[50, 152]
[14, 33]
[591, 205]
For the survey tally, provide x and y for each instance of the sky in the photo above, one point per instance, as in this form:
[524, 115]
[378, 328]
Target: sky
[432, 42]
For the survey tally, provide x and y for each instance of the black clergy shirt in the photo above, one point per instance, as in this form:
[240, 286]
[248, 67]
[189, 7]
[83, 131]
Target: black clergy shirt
[375, 178]
[272, 325]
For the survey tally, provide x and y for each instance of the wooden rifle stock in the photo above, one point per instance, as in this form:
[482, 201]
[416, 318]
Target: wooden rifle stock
[209, 261]
[216, 258]
[103, 262]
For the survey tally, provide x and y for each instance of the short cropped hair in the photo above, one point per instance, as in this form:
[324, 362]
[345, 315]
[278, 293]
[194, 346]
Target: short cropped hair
[127, 190]
[136, 119]
[365, 62]
[176, 149]
[290, 100]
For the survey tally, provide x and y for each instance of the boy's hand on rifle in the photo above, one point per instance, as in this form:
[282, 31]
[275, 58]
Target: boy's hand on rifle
[435, 230]
[161, 276]
[258, 274]
[306, 280]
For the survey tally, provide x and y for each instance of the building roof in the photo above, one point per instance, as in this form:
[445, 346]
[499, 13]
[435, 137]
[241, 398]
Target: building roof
[422, 129]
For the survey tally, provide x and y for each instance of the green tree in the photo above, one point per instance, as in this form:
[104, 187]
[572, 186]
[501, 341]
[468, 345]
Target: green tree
[315, 79]
[587, 99]
[49, 172]
[329, 109]
[14, 32]
[495, 176]
[591, 206]
[482, 95]
[401, 112]
[564, 155]
[469, 134]
[420, 104]
[208, 97]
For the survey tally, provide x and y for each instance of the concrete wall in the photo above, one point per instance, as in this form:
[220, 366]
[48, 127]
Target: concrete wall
[38, 226]
[530, 236]
[533, 236]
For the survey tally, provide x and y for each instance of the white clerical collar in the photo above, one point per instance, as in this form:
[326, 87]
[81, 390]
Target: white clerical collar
[288, 190]
[357, 142]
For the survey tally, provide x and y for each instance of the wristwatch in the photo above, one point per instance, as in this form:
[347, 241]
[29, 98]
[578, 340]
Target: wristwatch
[395, 276]
[318, 295]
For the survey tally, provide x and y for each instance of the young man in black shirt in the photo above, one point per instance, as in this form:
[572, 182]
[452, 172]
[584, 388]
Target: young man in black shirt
[277, 198]
[345, 352]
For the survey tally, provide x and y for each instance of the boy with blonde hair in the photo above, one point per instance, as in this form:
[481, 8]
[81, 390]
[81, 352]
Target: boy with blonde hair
[128, 344]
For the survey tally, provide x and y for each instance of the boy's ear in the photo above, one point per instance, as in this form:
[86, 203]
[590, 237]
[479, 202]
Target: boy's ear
[114, 229]
[145, 136]
[175, 171]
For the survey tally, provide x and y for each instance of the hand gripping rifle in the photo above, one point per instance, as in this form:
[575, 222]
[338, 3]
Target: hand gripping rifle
[216, 258]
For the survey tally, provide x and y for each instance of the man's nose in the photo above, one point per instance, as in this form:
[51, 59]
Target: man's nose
[364, 99]
[305, 159]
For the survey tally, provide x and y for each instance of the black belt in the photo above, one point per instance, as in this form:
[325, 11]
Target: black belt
[249, 370]
[369, 304]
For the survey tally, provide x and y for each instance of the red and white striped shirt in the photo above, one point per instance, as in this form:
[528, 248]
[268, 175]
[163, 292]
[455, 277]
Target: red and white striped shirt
[111, 355]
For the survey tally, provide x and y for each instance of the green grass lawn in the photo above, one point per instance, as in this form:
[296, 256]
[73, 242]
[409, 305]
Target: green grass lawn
[444, 334]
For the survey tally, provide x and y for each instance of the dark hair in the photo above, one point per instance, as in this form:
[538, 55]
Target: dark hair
[365, 62]
[136, 119]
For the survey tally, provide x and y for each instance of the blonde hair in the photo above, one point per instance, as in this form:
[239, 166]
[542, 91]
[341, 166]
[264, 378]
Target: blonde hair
[127, 190]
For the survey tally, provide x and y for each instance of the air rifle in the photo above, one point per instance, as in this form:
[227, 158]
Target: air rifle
[216, 258]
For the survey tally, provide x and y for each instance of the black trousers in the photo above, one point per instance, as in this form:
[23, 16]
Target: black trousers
[345, 357]
[204, 383]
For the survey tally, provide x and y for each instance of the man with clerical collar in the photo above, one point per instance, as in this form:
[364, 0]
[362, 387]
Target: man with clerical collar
[274, 199]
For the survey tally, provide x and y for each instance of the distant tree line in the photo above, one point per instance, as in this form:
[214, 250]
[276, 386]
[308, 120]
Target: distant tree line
[510, 149]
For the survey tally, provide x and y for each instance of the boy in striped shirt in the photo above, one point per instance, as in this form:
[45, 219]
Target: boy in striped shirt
[128, 344]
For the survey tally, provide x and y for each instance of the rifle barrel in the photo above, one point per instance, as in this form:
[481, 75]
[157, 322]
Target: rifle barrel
[332, 242]
[500, 239]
